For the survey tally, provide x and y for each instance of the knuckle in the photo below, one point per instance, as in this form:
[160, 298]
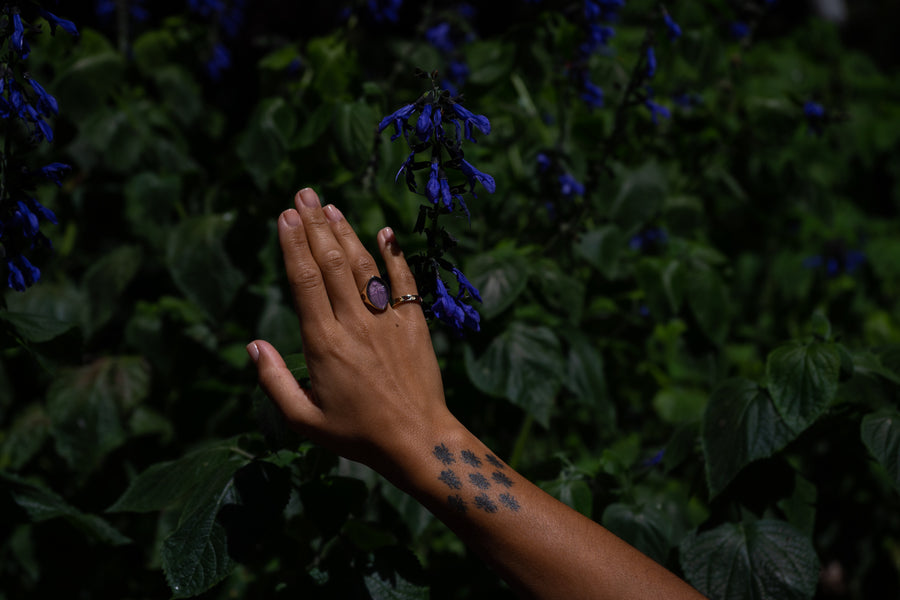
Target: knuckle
[333, 260]
[305, 277]
[363, 264]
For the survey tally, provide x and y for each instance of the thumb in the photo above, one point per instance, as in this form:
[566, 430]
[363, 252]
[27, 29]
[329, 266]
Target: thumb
[280, 385]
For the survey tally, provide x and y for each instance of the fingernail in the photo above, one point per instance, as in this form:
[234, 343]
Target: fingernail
[291, 217]
[308, 198]
[253, 351]
[387, 237]
[332, 213]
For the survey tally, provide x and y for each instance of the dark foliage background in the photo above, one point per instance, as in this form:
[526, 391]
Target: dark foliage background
[696, 343]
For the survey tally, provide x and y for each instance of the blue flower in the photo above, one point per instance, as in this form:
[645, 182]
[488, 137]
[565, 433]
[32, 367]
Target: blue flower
[424, 124]
[398, 118]
[46, 102]
[475, 175]
[647, 238]
[569, 186]
[813, 110]
[439, 37]
[22, 273]
[385, 10]
[17, 40]
[446, 308]
[452, 311]
[65, 25]
[655, 459]
[219, 62]
[465, 285]
[406, 165]
[54, 172]
[651, 61]
[656, 110]
[446, 194]
[472, 120]
[592, 94]
[543, 162]
[458, 71]
[673, 29]
[739, 30]
[433, 187]
[837, 261]
[597, 36]
[602, 9]
[106, 8]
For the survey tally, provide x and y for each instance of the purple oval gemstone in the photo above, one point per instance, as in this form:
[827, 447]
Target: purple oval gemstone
[378, 293]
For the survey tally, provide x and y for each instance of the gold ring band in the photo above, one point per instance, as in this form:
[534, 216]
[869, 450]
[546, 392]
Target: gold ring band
[406, 299]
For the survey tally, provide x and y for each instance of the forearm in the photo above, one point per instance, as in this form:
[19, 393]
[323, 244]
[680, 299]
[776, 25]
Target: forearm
[541, 547]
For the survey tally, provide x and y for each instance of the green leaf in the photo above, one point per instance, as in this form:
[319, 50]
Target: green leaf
[500, 277]
[601, 247]
[171, 484]
[195, 556]
[88, 82]
[199, 265]
[43, 504]
[708, 299]
[150, 200]
[643, 528]
[88, 406]
[332, 64]
[104, 283]
[524, 364]
[572, 490]
[152, 50]
[680, 404]
[354, 132]
[741, 425]
[640, 197]
[755, 561]
[180, 92]
[35, 327]
[803, 380]
[585, 376]
[881, 434]
[489, 61]
[24, 438]
[395, 588]
[264, 144]
[314, 125]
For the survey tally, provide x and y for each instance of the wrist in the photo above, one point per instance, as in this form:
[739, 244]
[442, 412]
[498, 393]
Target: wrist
[411, 461]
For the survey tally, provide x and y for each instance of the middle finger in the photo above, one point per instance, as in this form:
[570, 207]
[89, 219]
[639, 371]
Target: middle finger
[329, 255]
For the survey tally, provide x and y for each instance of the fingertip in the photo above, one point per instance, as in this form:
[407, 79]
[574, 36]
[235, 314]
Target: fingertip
[253, 351]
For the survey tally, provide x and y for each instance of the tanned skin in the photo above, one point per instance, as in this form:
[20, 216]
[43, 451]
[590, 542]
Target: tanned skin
[376, 397]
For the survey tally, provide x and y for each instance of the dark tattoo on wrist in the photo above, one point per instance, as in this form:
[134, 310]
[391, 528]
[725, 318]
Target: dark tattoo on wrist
[502, 479]
[443, 454]
[479, 481]
[458, 504]
[494, 461]
[509, 502]
[482, 500]
[484, 503]
[469, 458]
[450, 478]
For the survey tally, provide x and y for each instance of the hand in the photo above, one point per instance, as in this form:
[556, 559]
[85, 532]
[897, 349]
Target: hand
[376, 388]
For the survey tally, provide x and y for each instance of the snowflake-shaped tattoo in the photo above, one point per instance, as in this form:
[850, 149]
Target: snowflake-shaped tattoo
[443, 454]
[450, 478]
